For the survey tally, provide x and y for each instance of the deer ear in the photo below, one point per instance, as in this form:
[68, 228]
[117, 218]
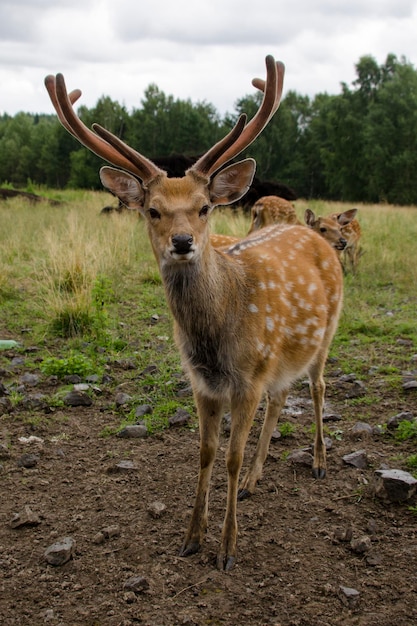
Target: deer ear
[231, 183]
[309, 217]
[346, 217]
[123, 185]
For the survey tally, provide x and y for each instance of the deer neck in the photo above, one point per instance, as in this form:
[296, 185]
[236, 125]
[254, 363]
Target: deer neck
[203, 294]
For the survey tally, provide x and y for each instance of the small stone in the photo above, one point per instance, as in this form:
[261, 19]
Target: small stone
[343, 534]
[32, 440]
[410, 385]
[157, 509]
[362, 428]
[129, 597]
[122, 466]
[111, 531]
[137, 584]
[34, 401]
[25, 518]
[99, 538]
[154, 319]
[350, 597]
[358, 459]
[395, 485]
[81, 387]
[122, 399]
[142, 410]
[276, 435]
[31, 380]
[301, 457]
[404, 416]
[60, 552]
[331, 417]
[133, 430]
[181, 418]
[373, 560]
[77, 398]
[28, 460]
[360, 545]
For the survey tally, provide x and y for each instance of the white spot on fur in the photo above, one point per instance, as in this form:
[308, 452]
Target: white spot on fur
[253, 308]
[269, 323]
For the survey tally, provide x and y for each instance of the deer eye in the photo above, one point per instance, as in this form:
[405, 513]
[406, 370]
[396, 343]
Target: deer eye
[204, 210]
[154, 214]
[323, 229]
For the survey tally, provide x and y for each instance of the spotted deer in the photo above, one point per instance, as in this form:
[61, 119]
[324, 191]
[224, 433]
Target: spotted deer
[330, 228]
[275, 210]
[351, 231]
[249, 320]
[272, 210]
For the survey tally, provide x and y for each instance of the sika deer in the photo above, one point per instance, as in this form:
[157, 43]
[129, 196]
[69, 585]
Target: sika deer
[272, 210]
[328, 228]
[351, 231]
[275, 210]
[247, 321]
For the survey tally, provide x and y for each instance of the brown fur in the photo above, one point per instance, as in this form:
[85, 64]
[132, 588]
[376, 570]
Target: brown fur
[249, 319]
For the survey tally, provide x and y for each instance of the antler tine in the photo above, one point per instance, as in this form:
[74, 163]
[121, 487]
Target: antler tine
[148, 169]
[272, 89]
[62, 102]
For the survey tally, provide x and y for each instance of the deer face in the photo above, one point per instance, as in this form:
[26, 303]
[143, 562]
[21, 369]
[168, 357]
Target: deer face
[177, 209]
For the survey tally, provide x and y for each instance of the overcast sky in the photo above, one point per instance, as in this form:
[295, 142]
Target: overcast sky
[206, 51]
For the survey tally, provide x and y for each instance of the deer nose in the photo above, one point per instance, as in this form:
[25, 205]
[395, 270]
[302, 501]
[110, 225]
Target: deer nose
[342, 243]
[182, 243]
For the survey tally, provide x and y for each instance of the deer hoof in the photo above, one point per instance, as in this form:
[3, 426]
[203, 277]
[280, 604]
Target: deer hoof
[319, 472]
[243, 494]
[189, 548]
[225, 563]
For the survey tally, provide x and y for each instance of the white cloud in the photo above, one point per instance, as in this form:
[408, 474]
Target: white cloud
[201, 50]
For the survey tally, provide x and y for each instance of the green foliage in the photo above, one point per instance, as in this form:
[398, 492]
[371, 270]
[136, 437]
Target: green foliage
[286, 429]
[359, 145]
[406, 430]
[72, 364]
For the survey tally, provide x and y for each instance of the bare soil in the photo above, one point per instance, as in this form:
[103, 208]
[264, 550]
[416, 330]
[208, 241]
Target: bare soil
[295, 551]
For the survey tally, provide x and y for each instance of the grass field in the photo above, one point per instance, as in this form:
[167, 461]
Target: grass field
[72, 279]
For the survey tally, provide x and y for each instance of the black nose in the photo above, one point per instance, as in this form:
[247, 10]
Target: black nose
[182, 243]
[342, 243]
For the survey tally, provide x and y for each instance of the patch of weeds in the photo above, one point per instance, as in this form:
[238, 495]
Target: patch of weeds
[286, 429]
[363, 401]
[337, 434]
[411, 461]
[406, 430]
[73, 364]
[413, 509]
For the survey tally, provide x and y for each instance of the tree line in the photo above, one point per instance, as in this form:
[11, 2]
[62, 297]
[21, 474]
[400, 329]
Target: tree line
[356, 146]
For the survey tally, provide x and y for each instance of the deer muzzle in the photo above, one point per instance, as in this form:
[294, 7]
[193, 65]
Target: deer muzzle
[182, 245]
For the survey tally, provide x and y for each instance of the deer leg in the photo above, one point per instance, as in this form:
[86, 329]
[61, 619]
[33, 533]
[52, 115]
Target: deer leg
[210, 413]
[243, 412]
[317, 391]
[275, 404]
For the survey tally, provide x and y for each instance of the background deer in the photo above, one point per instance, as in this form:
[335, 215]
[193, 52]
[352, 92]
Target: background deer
[275, 210]
[272, 210]
[247, 321]
[351, 231]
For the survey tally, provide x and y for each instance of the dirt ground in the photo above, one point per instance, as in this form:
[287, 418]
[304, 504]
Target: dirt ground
[297, 536]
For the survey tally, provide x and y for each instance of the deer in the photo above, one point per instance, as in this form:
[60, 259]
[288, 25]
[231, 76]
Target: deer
[275, 210]
[352, 232]
[272, 210]
[247, 321]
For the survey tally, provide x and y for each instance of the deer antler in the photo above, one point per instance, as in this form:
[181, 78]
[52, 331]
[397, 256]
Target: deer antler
[109, 147]
[126, 158]
[225, 150]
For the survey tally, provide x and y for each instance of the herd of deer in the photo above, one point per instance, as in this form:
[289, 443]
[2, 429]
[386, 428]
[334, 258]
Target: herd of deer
[250, 317]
